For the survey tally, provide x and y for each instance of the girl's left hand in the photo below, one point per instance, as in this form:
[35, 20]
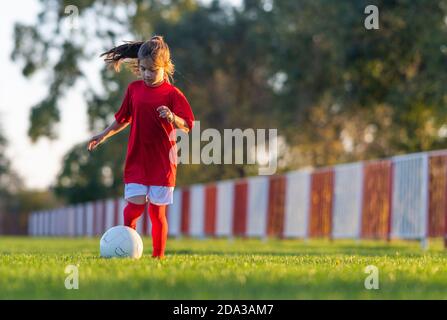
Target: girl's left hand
[164, 112]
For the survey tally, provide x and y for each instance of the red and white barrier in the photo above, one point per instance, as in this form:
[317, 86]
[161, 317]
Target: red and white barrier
[210, 209]
[410, 195]
[297, 205]
[174, 214]
[348, 194]
[196, 211]
[257, 206]
[224, 208]
[403, 197]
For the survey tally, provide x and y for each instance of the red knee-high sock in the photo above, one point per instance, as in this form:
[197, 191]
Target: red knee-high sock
[131, 214]
[159, 229]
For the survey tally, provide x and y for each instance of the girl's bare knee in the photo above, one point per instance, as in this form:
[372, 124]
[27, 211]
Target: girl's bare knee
[137, 200]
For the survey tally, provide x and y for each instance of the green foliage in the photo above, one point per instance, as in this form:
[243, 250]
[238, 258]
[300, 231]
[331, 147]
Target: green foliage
[10, 181]
[334, 90]
[88, 176]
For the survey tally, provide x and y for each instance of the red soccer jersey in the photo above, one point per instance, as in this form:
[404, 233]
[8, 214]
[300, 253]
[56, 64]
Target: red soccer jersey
[147, 159]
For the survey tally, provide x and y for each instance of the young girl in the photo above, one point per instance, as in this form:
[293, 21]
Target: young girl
[153, 107]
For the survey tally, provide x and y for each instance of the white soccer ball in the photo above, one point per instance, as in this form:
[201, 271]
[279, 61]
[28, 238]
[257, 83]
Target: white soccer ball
[121, 242]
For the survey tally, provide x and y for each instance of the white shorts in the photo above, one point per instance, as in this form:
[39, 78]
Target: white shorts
[159, 195]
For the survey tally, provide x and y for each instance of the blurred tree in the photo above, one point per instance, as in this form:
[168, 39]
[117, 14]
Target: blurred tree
[350, 94]
[10, 181]
[336, 91]
[10, 184]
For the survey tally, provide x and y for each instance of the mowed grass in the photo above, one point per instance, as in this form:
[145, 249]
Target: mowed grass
[33, 268]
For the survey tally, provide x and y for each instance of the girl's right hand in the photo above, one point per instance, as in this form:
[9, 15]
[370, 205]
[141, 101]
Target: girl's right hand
[95, 141]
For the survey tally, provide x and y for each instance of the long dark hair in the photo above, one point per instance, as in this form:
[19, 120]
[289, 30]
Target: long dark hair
[131, 52]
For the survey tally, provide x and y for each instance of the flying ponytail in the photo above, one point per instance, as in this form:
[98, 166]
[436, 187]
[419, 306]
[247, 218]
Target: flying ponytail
[115, 56]
[155, 49]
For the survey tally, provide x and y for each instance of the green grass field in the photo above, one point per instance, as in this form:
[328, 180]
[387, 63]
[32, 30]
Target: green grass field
[223, 269]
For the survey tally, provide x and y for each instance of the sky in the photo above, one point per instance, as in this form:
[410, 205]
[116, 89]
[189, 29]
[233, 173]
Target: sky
[37, 163]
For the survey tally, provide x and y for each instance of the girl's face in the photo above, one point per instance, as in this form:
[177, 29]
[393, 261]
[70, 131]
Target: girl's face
[150, 74]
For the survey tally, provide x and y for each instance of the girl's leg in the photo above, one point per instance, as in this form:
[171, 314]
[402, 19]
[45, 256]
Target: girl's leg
[159, 229]
[131, 214]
